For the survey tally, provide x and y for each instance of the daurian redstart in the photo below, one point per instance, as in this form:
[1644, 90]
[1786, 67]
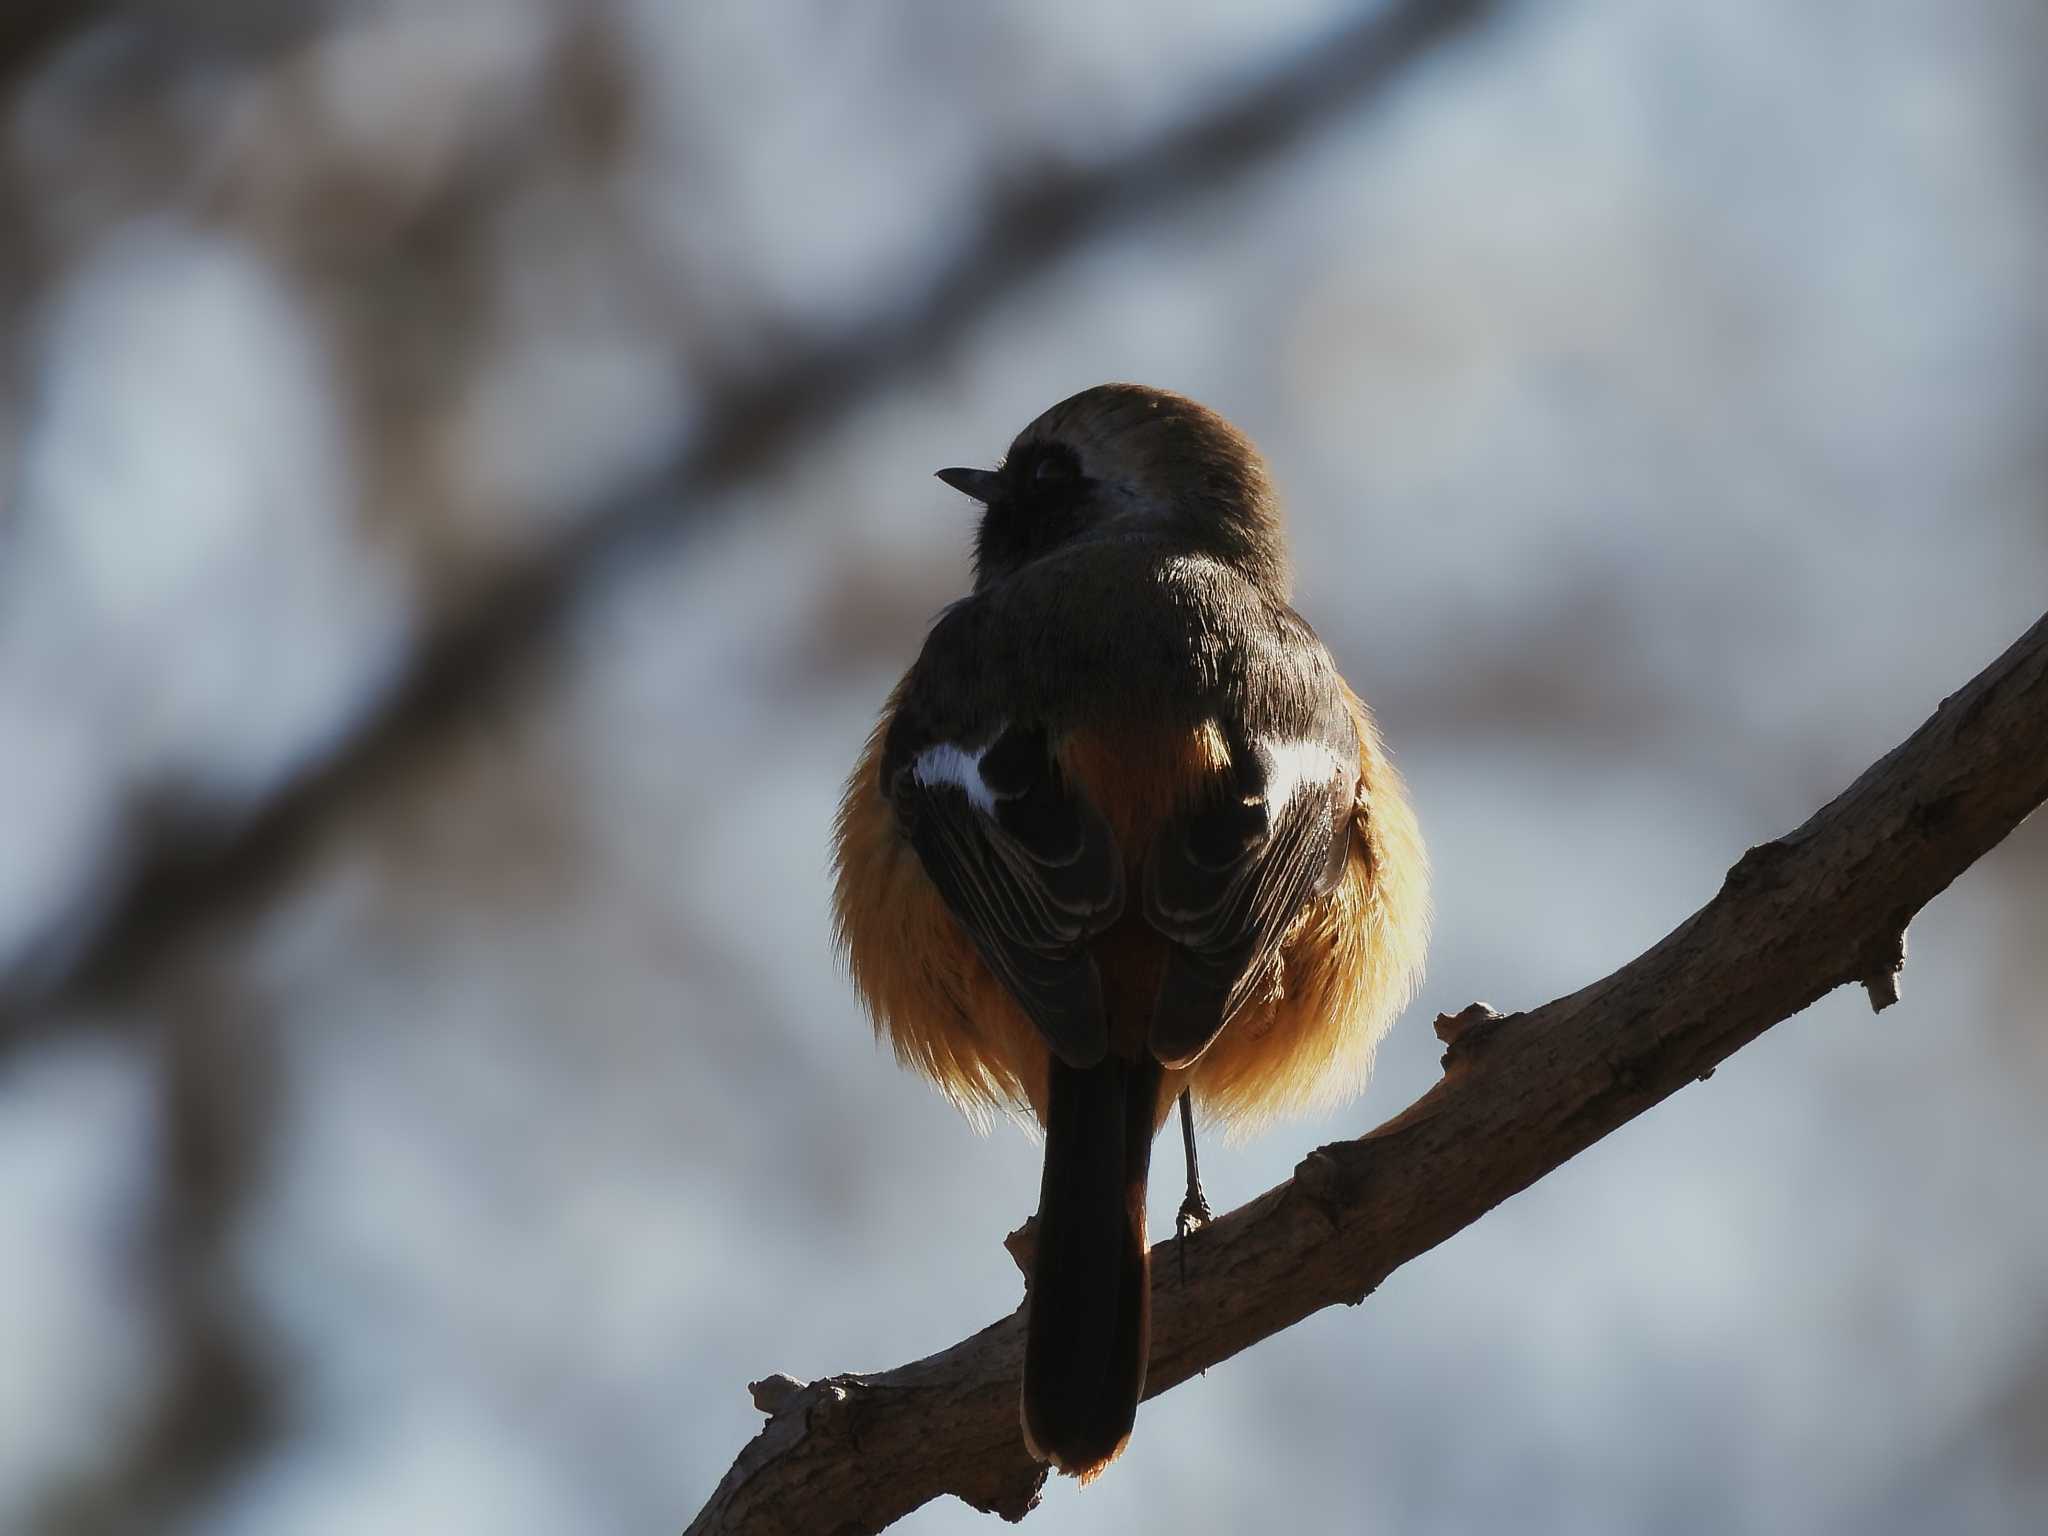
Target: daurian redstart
[1122, 831]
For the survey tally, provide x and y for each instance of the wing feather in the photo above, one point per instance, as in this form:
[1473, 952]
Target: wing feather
[1029, 868]
[1228, 876]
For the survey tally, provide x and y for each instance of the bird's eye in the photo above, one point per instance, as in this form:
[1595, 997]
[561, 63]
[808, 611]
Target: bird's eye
[1051, 470]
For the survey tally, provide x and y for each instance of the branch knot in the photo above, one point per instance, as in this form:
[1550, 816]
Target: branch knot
[1760, 867]
[1465, 1031]
[774, 1392]
[1326, 1183]
[1883, 962]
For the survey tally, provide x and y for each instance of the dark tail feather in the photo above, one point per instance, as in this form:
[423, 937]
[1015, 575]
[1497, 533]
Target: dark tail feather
[1090, 1327]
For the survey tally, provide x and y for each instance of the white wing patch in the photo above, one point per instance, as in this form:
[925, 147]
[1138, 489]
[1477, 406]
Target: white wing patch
[1295, 764]
[947, 763]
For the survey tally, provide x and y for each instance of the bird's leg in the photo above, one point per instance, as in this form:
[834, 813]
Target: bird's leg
[1194, 1210]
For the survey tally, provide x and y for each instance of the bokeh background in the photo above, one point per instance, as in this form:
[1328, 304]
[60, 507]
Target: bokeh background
[466, 477]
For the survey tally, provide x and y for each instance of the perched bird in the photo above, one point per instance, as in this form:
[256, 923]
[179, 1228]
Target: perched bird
[1123, 836]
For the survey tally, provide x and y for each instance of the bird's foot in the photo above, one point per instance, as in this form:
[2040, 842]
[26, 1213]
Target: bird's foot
[1194, 1212]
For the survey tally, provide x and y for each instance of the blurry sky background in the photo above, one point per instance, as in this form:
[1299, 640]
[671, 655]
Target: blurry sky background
[471, 463]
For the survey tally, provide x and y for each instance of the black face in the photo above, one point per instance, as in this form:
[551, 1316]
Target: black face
[1042, 502]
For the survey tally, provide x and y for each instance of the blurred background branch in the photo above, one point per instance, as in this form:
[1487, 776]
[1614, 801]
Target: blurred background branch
[30, 29]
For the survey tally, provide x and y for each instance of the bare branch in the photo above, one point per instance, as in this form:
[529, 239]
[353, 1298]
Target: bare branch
[1824, 906]
[1036, 220]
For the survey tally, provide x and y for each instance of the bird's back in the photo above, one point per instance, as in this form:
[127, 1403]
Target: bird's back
[1149, 669]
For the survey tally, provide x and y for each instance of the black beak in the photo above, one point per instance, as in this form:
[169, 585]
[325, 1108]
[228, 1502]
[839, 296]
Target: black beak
[981, 484]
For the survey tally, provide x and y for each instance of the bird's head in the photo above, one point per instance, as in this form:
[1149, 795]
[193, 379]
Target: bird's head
[1121, 460]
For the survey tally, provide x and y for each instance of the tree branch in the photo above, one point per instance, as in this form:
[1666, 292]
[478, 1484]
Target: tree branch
[1036, 218]
[1823, 906]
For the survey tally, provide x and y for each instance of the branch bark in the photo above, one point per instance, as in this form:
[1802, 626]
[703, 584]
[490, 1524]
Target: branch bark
[1824, 906]
[1033, 219]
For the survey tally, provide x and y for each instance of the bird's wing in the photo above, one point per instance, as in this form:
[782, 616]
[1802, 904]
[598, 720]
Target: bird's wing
[1228, 876]
[1025, 863]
